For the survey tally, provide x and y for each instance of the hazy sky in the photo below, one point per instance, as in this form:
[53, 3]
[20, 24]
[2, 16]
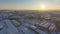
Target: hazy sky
[29, 4]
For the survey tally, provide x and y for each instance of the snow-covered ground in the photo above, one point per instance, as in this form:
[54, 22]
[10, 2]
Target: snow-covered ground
[15, 22]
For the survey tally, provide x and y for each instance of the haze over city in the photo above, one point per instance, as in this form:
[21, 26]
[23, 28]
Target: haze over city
[29, 16]
[29, 4]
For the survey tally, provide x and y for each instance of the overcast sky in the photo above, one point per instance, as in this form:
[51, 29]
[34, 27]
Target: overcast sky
[26, 4]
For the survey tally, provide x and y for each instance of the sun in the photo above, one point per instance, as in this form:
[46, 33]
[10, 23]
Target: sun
[42, 7]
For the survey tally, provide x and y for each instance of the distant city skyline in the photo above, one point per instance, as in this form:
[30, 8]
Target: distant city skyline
[30, 4]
